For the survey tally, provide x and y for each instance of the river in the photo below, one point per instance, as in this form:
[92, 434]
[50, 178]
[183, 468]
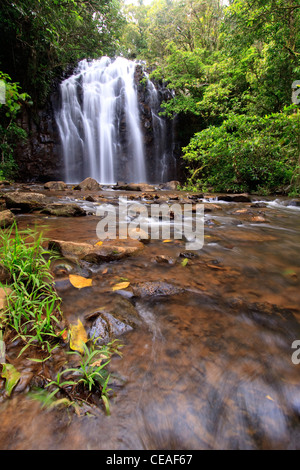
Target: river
[210, 366]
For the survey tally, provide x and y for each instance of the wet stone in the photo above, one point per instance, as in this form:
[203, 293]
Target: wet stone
[6, 218]
[26, 202]
[64, 210]
[56, 185]
[155, 288]
[89, 184]
[113, 320]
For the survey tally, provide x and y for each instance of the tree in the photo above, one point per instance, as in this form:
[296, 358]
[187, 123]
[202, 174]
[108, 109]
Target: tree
[39, 39]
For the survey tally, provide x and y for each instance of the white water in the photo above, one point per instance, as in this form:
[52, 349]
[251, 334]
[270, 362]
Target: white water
[97, 101]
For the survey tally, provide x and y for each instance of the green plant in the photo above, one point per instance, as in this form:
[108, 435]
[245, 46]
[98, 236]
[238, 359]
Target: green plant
[90, 376]
[33, 309]
[245, 153]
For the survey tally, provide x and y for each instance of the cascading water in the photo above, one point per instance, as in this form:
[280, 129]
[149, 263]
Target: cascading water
[163, 161]
[100, 125]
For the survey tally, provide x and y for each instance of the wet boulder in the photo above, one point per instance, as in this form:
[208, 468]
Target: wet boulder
[64, 210]
[89, 184]
[155, 288]
[294, 202]
[170, 186]
[113, 320]
[109, 250]
[25, 202]
[56, 185]
[6, 218]
[234, 198]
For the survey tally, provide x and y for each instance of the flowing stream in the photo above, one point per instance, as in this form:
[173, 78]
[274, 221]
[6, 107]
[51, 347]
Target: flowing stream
[210, 366]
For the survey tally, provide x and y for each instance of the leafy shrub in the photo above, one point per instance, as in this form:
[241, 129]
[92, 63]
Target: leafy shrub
[245, 153]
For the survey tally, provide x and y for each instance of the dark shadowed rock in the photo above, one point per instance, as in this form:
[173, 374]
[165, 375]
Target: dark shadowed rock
[294, 202]
[235, 198]
[113, 320]
[135, 187]
[5, 276]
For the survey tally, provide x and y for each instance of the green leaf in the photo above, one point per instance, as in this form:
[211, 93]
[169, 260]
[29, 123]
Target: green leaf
[12, 377]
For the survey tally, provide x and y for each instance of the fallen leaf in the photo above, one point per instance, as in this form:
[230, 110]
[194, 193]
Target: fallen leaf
[167, 241]
[121, 285]
[99, 243]
[213, 266]
[269, 398]
[12, 377]
[79, 282]
[184, 262]
[78, 337]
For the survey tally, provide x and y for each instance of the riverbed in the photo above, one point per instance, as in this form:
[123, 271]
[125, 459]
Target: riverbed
[211, 365]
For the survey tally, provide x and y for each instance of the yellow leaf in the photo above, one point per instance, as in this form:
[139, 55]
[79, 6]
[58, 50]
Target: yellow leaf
[167, 241]
[99, 243]
[269, 398]
[79, 282]
[78, 337]
[121, 285]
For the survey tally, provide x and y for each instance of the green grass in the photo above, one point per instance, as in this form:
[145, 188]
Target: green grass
[33, 313]
[33, 308]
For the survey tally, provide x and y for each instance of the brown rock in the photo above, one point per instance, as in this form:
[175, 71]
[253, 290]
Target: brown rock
[56, 185]
[154, 288]
[6, 218]
[89, 184]
[4, 293]
[109, 250]
[64, 210]
[26, 202]
[170, 186]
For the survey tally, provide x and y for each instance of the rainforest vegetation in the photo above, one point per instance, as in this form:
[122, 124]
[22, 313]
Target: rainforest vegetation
[231, 66]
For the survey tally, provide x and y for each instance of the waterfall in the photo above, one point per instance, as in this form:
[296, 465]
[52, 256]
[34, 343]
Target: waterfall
[99, 103]
[162, 147]
[109, 125]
